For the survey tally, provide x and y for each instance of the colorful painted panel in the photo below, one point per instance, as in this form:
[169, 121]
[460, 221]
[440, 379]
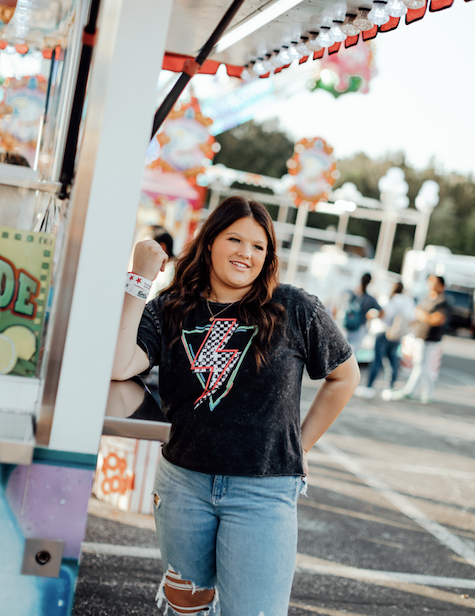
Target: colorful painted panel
[46, 500]
[25, 272]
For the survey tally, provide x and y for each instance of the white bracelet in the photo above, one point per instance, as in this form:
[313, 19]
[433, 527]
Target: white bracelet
[138, 286]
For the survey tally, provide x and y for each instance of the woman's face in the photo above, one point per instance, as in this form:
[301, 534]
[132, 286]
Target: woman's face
[237, 257]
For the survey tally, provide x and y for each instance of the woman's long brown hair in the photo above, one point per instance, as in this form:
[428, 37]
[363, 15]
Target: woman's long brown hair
[192, 276]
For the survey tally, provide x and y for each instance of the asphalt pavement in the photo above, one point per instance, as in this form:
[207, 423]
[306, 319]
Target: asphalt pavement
[387, 528]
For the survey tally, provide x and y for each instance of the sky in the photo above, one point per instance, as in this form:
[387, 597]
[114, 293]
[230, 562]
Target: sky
[421, 102]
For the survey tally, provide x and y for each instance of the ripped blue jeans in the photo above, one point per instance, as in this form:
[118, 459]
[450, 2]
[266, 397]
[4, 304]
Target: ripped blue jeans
[234, 534]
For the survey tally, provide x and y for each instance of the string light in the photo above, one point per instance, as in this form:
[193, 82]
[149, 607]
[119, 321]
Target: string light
[284, 55]
[415, 4]
[324, 39]
[313, 43]
[302, 47]
[378, 14]
[293, 51]
[396, 8]
[275, 59]
[349, 27]
[361, 20]
[261, 67]
[336, 33]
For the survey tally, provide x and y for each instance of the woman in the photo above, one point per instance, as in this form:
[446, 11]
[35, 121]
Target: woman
[232, 345]
[398, 314]
[361, 308]
[164, 278]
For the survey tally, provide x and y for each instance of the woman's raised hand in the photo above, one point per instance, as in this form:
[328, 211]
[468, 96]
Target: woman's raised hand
[149, 259]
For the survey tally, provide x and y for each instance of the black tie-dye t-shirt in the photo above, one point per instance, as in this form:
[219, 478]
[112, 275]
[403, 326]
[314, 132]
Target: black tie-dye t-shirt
[228, 418]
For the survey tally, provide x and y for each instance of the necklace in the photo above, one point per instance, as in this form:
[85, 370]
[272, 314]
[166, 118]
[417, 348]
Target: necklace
[213, 316]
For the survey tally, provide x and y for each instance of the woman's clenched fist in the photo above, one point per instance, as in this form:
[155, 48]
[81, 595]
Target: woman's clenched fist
[149, 259]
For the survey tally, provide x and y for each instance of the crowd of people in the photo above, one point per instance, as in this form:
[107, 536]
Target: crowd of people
[399, 317]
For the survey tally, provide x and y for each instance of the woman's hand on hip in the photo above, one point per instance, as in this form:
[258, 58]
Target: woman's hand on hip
[305, 463]
[149, 259]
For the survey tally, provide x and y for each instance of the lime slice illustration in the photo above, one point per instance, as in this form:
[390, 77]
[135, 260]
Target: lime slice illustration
[23, 339]
[8, 355]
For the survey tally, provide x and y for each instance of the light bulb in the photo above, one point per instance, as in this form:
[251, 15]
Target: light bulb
[293, 52]
[336, 32]
[324, 38]
[261, 67]
[396, 8]
[302, 47]
[349, 27]
[313, 43]
[361, 20]
[415, 4]
[275, 59]
[284, 56]
[339, 10]
[378, 14]
[246, 75]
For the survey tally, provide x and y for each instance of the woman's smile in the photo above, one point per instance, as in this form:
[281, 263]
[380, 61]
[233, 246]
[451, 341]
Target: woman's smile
[237, 257]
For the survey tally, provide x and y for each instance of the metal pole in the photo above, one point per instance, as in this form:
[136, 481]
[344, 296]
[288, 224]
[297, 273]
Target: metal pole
[192, 67]
[69, 158]
[300, 225]
[66, 69]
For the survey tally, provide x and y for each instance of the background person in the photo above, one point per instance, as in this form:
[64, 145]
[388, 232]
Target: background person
[398, 314]
[431, 315]
[232, 345]
[361, 307]
[164, 278]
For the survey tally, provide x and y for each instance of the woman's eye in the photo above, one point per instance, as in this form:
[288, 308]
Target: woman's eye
[259, 247]
[234, 239]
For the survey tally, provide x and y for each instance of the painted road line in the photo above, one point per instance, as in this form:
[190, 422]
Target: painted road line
[308, 563]
[409, 468]
[403, 504]
[111, 549]
[456, 375]
[306, 502]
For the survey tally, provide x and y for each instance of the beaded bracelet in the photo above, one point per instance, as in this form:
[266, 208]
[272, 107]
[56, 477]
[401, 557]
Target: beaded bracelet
[138, 286]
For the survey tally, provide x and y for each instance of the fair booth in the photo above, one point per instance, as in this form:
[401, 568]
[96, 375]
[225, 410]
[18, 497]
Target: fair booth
[73, 139]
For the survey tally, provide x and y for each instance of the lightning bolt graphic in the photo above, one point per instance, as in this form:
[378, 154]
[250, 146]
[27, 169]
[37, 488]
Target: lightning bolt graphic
[213, 358]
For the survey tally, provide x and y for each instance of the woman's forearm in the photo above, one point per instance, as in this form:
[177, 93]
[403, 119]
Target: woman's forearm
[330, 400]
[149, 259]
[127, 352]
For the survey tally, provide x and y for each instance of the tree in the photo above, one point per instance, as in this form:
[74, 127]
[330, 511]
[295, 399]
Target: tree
[264, 149]
[258, 148]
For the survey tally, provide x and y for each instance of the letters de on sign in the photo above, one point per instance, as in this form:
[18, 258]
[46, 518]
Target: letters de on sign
[25, 272]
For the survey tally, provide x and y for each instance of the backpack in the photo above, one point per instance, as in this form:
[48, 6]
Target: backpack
[354, 317]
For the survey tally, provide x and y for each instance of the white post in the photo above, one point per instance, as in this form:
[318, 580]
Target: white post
[381, 238]
[281, 217]
[109, 171]
[341, 231]
[421, 230]
[387, 247]
[300, 224]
